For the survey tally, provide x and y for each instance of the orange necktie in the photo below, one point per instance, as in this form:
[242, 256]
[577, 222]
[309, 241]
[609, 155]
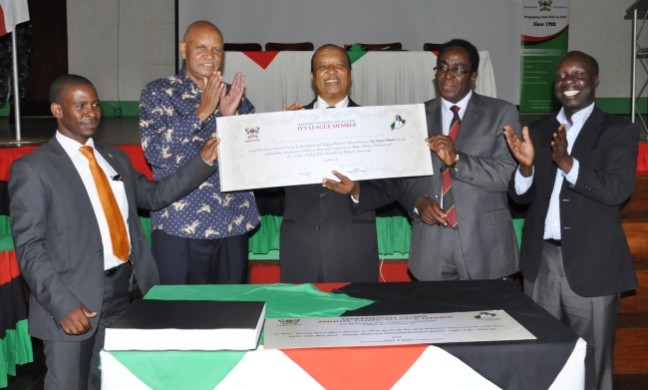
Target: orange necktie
[116, 226]
[448, 199]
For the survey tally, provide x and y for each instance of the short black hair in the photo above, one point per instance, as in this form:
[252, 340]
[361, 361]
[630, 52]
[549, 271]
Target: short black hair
[590, 61]
[324, 47]
[473, 54]
[57, 85]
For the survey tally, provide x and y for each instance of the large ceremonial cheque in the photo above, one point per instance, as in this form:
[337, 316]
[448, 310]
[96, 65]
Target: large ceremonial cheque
[302, 147]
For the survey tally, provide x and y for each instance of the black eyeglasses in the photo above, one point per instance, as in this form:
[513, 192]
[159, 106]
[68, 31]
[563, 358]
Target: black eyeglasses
[458, 71]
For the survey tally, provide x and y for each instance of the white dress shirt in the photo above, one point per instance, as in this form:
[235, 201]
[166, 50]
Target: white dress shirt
[522, 184]
[82, 166]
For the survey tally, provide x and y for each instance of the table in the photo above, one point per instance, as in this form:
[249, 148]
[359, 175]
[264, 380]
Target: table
[379, 77]
[554, 360]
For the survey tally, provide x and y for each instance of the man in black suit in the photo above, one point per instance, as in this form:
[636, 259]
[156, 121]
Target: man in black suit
[323, 236]
[79, 281]
[575, 171]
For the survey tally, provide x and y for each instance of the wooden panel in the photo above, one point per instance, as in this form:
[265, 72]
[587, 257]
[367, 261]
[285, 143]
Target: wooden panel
[631, 352]
[637, 301]
[636, 209]
[637, 235]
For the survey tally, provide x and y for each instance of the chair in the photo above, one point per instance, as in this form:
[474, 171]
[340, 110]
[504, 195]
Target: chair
[433, 47]
[297, 46]
[243, 47]
[396, 46]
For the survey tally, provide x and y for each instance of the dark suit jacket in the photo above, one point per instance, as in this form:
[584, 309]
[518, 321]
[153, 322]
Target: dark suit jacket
[595, 251]
[322, 229]
[57, 238]
[479, 185]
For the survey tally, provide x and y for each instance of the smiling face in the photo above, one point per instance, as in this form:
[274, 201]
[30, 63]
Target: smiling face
[451, 87]
[77, 112]
[202, 50]
[575, 83]
[331, 74]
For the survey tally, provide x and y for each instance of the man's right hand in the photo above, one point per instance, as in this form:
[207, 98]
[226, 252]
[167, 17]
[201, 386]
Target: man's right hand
[77, 321]
[430, 212]
[213, 90]
[521, 149]
[209, 151]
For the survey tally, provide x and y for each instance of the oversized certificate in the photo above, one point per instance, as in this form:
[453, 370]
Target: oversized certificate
[459, 327]
[302, 147]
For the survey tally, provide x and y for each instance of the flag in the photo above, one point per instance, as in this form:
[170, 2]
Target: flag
[12, 12]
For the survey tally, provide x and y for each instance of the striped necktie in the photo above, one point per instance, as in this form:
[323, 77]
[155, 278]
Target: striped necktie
[448, 199]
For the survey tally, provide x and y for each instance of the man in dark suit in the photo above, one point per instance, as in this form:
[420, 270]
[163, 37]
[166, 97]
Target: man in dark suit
[79, 281]
[323, 236]
[576, 170]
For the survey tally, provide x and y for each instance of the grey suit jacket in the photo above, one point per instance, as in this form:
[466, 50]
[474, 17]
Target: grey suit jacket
[57, 238]
[479, 185]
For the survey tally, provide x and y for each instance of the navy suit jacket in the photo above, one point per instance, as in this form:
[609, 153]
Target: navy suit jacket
[596, 256]
[323, 231]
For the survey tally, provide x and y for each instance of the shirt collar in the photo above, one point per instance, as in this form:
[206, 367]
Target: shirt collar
[577, 118]
[70, 145]
[320, 103]
[463, 103]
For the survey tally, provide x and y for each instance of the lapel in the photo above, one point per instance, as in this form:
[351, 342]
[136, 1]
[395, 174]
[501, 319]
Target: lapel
[433, 114]
[471, 120]
[70, 180]
[589, 135]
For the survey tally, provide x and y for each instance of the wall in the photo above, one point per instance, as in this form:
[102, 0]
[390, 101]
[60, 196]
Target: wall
[122, 45]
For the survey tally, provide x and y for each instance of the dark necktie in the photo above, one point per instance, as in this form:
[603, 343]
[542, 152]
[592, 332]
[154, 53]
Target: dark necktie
[448, 199]
[116, 226]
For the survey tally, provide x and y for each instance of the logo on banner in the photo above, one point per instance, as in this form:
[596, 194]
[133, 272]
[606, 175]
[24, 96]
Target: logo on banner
[398, 122]
[252, 133]
[544, 5]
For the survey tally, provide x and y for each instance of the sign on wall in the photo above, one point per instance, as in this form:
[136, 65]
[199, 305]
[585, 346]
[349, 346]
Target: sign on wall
[544, 40]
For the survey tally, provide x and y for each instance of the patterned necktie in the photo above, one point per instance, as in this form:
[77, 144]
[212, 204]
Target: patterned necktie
[116, 226]
[448, 199]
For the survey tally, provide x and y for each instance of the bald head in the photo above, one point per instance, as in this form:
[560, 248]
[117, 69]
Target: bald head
[200, 25]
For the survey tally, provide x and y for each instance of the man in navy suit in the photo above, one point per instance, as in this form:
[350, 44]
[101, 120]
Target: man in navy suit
[324, 238]
[79, 284]
[575, 171]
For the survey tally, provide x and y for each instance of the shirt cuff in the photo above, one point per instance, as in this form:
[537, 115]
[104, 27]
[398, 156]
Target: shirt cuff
[572, 176]
[522, 184]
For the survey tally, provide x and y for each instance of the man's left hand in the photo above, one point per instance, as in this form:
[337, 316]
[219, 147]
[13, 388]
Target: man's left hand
[345, 186]
[559, 153]
[444, 148]
[230, 101]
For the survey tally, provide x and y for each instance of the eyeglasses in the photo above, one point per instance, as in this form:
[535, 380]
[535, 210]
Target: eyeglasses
[458, 71]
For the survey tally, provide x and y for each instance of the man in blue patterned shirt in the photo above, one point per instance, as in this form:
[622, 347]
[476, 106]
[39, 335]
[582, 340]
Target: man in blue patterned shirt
[203, 237]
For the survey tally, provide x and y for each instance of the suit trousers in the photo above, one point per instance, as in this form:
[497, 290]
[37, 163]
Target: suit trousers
[592, 318]
[193, 261]
[75, 364]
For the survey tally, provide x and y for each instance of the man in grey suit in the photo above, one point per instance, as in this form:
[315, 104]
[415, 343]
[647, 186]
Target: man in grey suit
[78, 283]
[482, 245]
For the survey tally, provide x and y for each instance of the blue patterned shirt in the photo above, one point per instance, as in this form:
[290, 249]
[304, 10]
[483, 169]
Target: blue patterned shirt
[171, 134]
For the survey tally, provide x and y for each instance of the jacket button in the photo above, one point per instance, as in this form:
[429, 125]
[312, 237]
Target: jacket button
[322, 195]
[317, 227]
